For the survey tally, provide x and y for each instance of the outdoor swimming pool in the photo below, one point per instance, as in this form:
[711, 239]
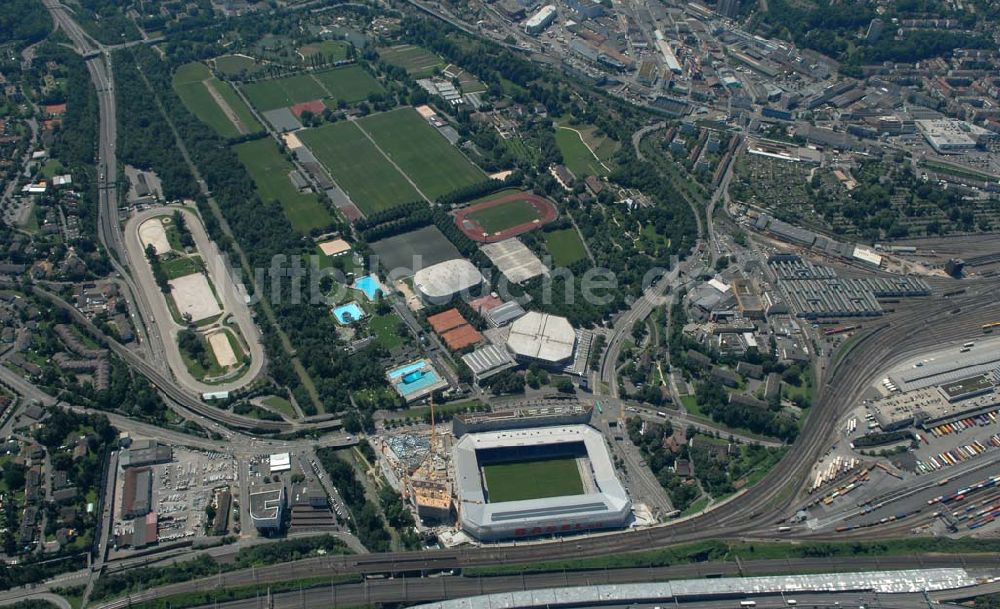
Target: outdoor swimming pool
[346, 313]
[369, 285]
[407, 369]
[415, 379]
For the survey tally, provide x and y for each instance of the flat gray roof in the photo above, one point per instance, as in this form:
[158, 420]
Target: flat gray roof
[886, 582]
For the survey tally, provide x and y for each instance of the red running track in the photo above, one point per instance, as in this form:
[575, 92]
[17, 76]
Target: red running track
[546, 209]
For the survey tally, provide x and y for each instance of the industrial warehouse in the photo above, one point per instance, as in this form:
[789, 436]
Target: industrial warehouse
[954, 384]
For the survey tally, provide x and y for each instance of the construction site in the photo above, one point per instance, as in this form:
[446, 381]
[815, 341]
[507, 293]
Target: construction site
[426, 466]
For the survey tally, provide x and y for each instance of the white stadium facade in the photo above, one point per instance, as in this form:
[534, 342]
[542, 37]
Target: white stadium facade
[604, 504]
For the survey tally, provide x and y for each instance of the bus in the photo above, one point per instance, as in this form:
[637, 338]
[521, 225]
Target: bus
[748, 604]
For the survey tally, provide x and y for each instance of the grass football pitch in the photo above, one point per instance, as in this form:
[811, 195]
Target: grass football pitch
[269, 170]
[281, 92]
[520, 480]
[351, 84]
[358, 167]
[565, 246]
[434, 165]
[501, 217]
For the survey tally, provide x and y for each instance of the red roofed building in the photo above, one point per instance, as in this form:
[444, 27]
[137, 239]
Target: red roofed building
[442, 322]
[55, 109]
[454, 330]
[485, 303]
[461, 337]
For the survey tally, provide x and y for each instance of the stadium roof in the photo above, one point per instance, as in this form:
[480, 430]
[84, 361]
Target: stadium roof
[443, 280]
[514, 259]
[608, 506]
[541, 336]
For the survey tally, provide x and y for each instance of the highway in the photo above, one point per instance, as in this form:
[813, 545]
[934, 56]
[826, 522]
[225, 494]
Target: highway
[109, 230]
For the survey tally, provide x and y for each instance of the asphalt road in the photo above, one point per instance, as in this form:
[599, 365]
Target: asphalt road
[232, 301]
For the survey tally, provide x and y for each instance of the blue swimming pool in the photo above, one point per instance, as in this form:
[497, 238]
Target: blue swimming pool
[416, 381]
[369, 285]
[407, 369]
[347, 313]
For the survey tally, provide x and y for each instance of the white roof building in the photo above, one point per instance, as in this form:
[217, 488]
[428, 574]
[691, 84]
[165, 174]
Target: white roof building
[440, 282]
[281, 462]
[542, 337]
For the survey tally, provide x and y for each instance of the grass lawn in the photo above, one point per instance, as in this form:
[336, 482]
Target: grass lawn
[418, 149]
[194, 366]
[417, 61]
[279, 404]
[330, 50]
[52, 168]
[532, 479]
[239, 107]
[351, 84]
[439, 409]
[358, 167]
[575, 153]
[280, 92]
[236, 65]
[565, 246]
[502, 217]
[190, 83]
[270, 170]
[691, 405]
[181, 266]
[698, 505]
[386, 330]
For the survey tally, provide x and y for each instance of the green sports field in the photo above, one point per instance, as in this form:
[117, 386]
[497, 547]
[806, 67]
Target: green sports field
[501, 217]
[520, 480]
[269, 170]
[565, 246]
[236, 65]
[417, 61]
[329, 50]
[351, 84]
[434, 165]
[358, 167]
[193, 81]
[281, 92]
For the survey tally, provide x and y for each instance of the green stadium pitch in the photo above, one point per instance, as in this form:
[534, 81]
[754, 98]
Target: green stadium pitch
[535, 479]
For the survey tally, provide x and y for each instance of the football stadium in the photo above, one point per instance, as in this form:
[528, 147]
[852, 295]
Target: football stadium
[537, 481]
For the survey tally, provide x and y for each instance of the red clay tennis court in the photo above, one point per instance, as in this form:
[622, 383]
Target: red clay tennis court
[471, 220]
